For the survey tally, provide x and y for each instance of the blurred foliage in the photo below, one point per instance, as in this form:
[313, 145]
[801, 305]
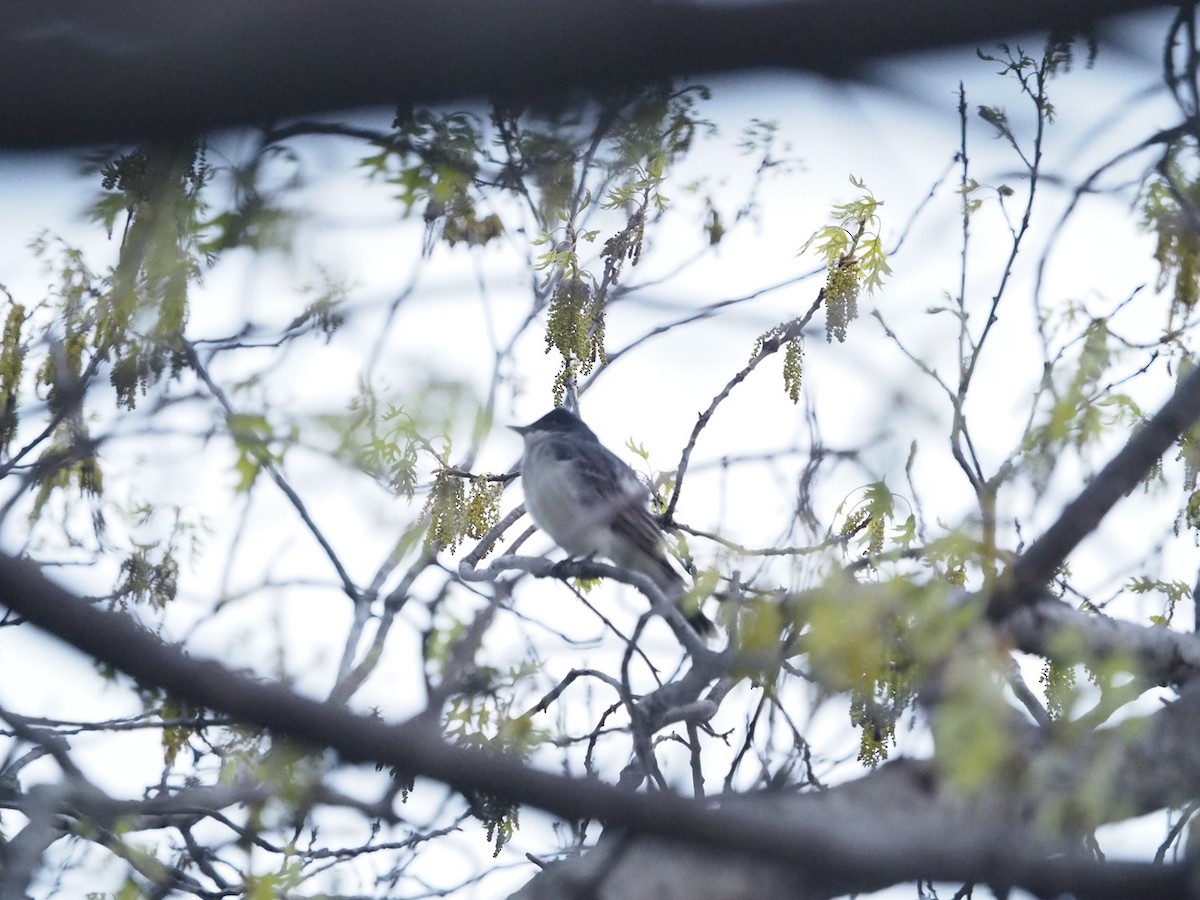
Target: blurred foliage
[480, 714]
[880, 647]
[12, 360]
[141, 315]
[1170, 213]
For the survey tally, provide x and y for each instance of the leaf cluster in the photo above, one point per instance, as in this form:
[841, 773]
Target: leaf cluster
[852, 251]
[1169, 211]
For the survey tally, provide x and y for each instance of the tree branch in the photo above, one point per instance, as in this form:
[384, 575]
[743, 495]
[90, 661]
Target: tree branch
[125, 70]
[843, 849]
[1164, 657]
[1034, 568]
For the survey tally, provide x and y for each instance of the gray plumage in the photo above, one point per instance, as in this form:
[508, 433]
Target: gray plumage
[592, 504]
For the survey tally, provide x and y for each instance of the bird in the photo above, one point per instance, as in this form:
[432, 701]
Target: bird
[592, 504]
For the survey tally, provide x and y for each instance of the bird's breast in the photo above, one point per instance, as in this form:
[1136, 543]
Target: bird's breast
[552, 497]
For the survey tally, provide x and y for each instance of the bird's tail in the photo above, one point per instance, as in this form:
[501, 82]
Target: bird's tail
[701, 624]
[671, 584]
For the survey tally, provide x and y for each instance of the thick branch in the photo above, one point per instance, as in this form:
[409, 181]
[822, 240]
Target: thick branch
[1051, 628]
[1034, 569]
[139, 69]
[896, 805]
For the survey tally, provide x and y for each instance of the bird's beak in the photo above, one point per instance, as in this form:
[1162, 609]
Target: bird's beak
[519, 429]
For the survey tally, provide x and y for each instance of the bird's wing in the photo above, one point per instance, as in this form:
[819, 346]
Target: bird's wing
[614, 488]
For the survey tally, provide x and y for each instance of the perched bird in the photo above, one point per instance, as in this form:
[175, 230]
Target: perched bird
[592, 504]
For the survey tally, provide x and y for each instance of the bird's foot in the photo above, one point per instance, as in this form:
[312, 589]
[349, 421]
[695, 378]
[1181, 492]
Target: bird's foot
[563, 568]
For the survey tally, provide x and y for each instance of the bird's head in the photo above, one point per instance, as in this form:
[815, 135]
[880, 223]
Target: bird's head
[558, 421]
